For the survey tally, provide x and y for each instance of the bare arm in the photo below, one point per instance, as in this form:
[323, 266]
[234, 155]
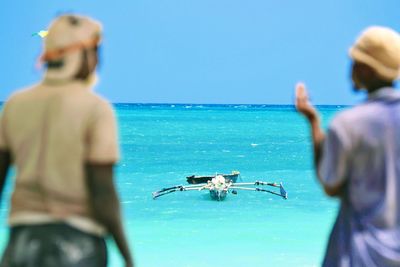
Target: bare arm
[304, 106]
[105, 204]
[311, 114]
[317, 137]
[5, 162]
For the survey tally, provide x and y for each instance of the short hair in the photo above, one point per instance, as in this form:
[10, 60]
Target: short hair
[84, 71]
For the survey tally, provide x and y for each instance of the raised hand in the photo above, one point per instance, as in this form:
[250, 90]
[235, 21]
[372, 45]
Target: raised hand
[303, 104]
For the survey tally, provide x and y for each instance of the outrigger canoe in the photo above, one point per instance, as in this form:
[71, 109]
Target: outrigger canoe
[219, 187]
[204, 179]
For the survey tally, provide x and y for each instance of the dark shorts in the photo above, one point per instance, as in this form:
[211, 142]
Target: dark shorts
[53, 245]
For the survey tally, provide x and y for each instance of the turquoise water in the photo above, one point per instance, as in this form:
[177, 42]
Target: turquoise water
[162, 144]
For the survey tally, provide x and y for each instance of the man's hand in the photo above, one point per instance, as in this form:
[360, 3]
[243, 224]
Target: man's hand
[303, 104]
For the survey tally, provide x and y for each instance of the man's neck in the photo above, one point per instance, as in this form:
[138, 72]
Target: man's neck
[377, 86]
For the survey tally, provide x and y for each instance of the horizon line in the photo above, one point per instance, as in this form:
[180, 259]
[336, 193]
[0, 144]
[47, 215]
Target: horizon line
[211, 104]
[219, 104]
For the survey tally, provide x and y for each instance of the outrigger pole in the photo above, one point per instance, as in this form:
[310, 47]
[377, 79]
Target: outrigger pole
[172, 189]
[232, 187]
[259, 183]
[282, 193]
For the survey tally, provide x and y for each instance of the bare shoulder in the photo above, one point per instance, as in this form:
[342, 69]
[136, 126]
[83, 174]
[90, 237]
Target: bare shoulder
[101, 104]
[18, 98]
[21, 93]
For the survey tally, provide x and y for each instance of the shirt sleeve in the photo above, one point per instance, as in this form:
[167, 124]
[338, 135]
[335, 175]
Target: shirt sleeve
[334, 164]
[102, 136]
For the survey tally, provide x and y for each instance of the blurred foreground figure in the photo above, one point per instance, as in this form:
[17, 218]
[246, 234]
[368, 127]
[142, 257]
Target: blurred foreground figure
[359, 158]
[62, 139]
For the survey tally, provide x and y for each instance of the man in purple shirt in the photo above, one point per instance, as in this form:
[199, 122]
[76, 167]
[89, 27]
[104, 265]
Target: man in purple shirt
[358, 159]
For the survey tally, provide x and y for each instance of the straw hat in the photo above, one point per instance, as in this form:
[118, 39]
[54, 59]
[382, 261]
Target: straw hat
[67, 36]
[379, 48]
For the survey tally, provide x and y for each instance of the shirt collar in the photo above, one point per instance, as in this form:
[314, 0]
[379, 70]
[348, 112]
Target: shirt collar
[385, 93]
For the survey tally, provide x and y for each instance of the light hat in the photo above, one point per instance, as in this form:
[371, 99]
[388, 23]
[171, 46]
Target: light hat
[67, 36]
[379, 48]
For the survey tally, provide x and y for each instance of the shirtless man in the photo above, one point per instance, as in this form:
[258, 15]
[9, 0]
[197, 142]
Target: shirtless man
[61, 138]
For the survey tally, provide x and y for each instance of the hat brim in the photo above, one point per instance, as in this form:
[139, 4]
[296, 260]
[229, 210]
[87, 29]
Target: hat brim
[383, 71]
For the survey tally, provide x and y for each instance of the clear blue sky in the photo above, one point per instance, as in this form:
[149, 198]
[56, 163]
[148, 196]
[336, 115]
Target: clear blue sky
[204, 51]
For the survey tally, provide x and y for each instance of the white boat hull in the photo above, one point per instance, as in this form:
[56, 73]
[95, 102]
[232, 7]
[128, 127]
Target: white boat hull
[218, 195]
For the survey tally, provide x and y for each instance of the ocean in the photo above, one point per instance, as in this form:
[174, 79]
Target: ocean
[162, 144]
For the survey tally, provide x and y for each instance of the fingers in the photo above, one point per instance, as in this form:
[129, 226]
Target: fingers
[301, 99]
[301, 92]
[302, 102]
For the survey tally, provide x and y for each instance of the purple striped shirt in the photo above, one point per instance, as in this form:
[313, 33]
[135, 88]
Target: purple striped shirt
[362, 152]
